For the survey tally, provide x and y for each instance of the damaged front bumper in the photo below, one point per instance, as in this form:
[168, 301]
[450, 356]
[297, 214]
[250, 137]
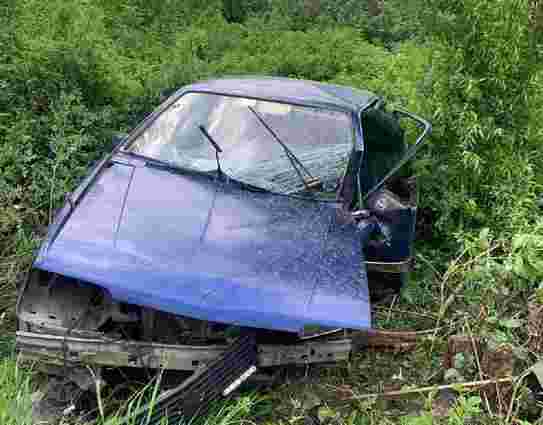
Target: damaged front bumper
[66, 322]
[80, 330]
[62, 350]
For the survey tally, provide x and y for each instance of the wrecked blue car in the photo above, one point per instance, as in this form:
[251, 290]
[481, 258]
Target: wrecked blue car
[270, 204]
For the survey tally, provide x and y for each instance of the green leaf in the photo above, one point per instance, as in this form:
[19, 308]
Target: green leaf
[511, 323]
[520, 241]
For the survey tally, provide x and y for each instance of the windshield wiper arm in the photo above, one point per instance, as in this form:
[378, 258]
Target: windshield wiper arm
[215, 145]
[311, 182]
[218, 150]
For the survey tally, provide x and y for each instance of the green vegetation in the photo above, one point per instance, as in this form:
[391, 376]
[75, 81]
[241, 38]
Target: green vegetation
[15, 397]
[75, 72]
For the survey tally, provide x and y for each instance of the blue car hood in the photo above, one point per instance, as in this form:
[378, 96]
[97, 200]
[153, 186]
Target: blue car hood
[211, 250]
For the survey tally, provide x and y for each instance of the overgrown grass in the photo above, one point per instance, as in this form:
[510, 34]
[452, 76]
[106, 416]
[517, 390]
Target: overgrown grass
[15, 388]
[234, 412]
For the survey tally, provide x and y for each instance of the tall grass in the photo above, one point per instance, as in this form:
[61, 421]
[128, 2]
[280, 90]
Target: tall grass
[15, 393]
[233, 412]
[16, 389]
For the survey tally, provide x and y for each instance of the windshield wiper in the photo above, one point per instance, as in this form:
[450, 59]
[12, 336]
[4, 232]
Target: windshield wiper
[215, 145]
[309, 183]
[169, 166]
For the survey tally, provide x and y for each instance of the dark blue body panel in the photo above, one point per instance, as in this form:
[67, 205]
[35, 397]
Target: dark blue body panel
[211, 250]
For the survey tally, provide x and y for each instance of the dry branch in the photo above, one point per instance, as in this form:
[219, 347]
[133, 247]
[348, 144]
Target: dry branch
[381, 340]
[473, 385]
[535, 327]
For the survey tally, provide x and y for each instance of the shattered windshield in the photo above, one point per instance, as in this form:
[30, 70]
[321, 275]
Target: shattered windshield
[320, 139]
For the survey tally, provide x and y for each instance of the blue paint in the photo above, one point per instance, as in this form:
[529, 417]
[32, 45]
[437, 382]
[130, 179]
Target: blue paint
[194, 246]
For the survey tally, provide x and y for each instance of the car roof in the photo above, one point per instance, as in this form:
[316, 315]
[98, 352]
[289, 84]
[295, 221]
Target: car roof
[287, 90]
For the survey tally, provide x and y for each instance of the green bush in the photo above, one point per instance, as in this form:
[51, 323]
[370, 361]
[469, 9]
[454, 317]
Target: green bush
[484, 69]
[15, 397]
